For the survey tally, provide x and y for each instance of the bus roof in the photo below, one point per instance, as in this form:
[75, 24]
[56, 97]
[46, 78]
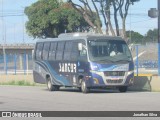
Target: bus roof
[79, 36]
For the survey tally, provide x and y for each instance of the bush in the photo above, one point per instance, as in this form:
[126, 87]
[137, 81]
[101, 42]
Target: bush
[19, 83]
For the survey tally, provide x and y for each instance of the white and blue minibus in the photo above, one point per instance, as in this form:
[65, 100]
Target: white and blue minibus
[82, 60]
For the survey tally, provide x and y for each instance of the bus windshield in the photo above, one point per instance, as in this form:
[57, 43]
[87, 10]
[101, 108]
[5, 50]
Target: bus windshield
[109, 50]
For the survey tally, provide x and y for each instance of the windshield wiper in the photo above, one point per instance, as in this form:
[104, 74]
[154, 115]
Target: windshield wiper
[107, 60]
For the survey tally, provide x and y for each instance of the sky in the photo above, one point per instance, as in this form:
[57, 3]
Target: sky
[13, 29]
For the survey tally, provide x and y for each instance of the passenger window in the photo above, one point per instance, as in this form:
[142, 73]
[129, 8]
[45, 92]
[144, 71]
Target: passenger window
[52, 51]
[74, 52]
[45, 51]
[67, 50]
[60, 49]
[39, 51]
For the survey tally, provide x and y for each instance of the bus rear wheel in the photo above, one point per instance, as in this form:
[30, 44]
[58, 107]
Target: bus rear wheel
[84, 87]
[123, 89]
[50, 86]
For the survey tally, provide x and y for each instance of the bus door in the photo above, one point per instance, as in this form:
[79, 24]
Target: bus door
[70, 61]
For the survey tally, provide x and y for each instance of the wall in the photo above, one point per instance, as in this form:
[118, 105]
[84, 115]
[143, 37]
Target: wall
[7, 78]
[146, 83]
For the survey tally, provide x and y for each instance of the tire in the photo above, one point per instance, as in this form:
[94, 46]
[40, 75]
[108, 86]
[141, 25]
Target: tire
[50, 86]
[79, 89]
[84, 88]
[56, 87]
[123, 89]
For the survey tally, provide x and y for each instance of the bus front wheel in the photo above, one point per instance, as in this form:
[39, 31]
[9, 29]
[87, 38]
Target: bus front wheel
[123, 89]
[84, 87]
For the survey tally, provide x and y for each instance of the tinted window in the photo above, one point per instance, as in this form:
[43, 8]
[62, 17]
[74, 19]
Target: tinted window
[52, 51]
[67, 50]
[45, 51]
[74, 53]
[60, 49]
[39, 51]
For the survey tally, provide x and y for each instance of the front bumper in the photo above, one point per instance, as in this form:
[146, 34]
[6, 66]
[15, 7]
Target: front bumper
[100, 80]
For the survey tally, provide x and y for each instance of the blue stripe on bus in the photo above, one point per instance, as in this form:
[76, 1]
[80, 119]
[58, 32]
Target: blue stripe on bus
[57, 76]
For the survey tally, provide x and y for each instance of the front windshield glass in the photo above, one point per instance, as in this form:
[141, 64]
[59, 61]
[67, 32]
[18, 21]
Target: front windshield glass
[109, 50]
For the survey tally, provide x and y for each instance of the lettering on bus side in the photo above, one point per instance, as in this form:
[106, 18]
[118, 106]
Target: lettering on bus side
[68, 67]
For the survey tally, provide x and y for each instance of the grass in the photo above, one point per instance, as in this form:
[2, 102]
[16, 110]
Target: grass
[18, 83]
[156, 90]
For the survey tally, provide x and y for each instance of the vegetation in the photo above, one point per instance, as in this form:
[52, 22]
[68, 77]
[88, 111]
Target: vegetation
[151, 36]
[135, 37]
[49, 18]
[103, 8]
[19, 83]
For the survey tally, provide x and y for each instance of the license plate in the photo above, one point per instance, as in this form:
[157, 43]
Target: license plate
[115, 79]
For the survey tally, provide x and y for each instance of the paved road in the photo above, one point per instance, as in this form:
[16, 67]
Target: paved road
[38, 98]
[15, 98]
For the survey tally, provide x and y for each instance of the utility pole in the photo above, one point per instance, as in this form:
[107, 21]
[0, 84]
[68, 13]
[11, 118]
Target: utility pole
[3, 38]
[159, 37]
[23, 29]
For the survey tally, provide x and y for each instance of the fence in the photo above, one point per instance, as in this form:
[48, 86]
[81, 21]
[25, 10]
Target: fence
[16, 64]
[145, 58]
[148, 64]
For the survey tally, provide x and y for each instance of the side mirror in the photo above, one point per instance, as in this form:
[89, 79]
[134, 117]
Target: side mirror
[80, 46]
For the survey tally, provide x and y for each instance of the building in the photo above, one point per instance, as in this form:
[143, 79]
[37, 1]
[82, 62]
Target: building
[16, 49]
[16, 58]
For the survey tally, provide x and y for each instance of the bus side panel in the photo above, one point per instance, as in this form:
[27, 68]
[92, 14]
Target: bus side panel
[44, 69]
[68, 73]
[38, 78]
[39, 72]
[83, 70]
[57, 76]
[51, 68]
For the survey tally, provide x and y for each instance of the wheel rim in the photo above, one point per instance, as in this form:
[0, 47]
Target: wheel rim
[49, 84]
[83, 86]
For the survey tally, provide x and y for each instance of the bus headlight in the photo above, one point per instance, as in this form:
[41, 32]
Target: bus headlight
[96, 81]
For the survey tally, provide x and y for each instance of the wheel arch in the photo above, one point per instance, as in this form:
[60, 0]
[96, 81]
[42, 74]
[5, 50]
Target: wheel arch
[80, 78]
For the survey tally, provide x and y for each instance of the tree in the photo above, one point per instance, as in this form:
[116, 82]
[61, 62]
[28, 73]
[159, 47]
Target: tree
[134, 37]
[49, 18]
[90, 16]
[151, 35]
[102, 8]
[122, 6]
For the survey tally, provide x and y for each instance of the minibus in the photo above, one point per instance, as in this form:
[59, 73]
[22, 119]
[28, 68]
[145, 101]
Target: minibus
[83, 60]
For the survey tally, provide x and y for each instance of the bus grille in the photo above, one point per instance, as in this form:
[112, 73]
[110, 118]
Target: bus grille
[114, 81]
[114, 73]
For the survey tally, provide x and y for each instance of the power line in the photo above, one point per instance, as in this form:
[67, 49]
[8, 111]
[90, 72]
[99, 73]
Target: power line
[140, 21]
[11, 15]
[135, 14]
